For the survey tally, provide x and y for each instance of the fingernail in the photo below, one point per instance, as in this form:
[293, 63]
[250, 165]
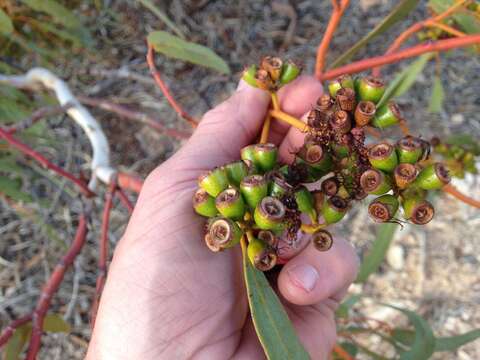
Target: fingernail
[304, 276]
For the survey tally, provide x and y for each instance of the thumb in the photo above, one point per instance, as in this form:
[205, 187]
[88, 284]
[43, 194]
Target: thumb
[228, 127]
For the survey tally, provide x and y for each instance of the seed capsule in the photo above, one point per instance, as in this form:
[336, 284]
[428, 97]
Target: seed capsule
[230, 204]
[343, 81]
[387, 115]
[364, 112]
[214, 182]
[223, 233]
[334, 209]
[383, 208]
[236, 171]
[371, 89]
[409, 149]
[324, 103]
[279, 186]
[249, 75]
[383, 157]
[305, 203]
[418, 210]
[268, 238]
[204, 204]
[254, 188]
[404, 174]
[433, 177]
[262, 256]
[341, 122]
[346, 99]
[314, 156]
[265, 156]
[273, 65]
[322, 240]
[375, 182]
[330, 186]
[269, 214]
[263, 79]
[290, 72]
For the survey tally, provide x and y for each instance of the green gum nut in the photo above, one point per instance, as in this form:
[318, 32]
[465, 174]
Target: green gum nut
[230, 204]
[371, 89]
[343, 81]
[279, 186]
[306, 203]
[375, 182]
[418, 210]
[262, 256]
[387, 115]
[223, 233]
[204, 204]
[214, 182]
[290, 72]
[341, 151]
[249, 76]
[383, 208]
[247, 154]
[316, 157]
[265, 156]
[269, 214]
[253, 188]
[404, 175]
[382, 156]
[409, 150]
[334, 209]
[433, 177]
[236, 171]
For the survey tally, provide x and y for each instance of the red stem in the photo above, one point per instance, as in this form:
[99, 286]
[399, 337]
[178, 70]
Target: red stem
[10, 329]
[129, 182]
[103, 249]
[440, 45]
[166, 90]
[45, 162]
[124, 199]
[51, 287]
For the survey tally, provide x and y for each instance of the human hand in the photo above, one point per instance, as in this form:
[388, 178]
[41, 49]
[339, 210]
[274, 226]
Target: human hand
[168, 296]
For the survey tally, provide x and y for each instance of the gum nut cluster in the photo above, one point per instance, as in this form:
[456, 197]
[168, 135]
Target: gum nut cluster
[264, 200]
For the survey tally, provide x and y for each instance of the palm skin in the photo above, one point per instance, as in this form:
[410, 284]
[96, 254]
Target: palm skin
[168, 297]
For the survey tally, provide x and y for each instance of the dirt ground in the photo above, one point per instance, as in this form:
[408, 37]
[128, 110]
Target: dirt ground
[432, 269]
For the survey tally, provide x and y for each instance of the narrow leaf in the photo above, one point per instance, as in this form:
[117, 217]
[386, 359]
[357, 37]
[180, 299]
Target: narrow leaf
[454, 342]
[375, 256]
[424, 342]
[400, 11]
[273, 327]
[162, 16]
[467, 21]
[466, 141]
[346, 305]
[12, 189]
[59, 13]
[56, 324]
[404, 81]
[174, 47]
[438, 96]
[17, 342]
[6, 26]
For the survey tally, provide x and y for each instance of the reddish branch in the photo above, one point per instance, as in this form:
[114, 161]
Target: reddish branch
[103, 249]
[417, 27]
[440, 45]
[124, 200]
[450, 189]
[129, 182]
[341, 353]
[25, 149]
[135, 116]
[338, 10]
[52, 286]
[165, 90]
[36, 116]
[10, 329]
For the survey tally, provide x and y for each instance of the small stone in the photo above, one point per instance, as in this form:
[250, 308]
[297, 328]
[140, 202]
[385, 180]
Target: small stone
[457, 119]
[396, 257]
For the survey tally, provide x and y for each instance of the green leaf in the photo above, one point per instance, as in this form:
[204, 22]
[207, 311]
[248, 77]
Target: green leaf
[162, 16]
[400, 11]
[346, 305]
[375, 256]
[174, 47]
[438, 96]
[404, 81]
[423, 344]
[59, 13]
[273, 327]
[56, 324]
[466, 21]
[9, 165]
[12, 189]
[403, 336]
[17, 342]
[6, 26]
[466, 141]
[454, 342]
